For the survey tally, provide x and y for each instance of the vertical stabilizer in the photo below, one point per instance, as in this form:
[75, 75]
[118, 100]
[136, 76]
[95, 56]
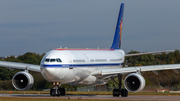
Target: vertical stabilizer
[117, 37]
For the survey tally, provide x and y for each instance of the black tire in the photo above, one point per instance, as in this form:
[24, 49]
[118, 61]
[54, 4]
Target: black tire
[58, 92]
[53, 92]
[63, 92]
[115, 93]
[124, 93]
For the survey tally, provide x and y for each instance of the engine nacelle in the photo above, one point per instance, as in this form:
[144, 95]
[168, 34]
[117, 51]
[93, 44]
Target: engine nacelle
[134, 82]
[22, 81]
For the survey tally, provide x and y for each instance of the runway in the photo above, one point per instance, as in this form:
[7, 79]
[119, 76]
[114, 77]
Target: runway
[105, 97]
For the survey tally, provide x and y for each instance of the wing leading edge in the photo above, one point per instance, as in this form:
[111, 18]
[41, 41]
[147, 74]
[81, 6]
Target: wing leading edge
[23, 66]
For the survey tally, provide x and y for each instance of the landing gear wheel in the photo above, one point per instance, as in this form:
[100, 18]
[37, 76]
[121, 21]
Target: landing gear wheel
[63, 92]
[119, 91]
[116, 93]
[124, 93]
[53, 92]
[58, 92]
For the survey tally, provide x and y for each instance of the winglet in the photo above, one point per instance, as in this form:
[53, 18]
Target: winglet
[117, 37]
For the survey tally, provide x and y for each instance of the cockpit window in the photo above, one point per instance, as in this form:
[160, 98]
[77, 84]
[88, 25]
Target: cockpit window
[58, 60]
[53, 60]
[47, 60]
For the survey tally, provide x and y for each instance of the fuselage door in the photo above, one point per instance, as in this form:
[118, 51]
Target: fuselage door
[68, 58]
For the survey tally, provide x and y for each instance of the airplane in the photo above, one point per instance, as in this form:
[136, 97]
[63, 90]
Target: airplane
[86, 67]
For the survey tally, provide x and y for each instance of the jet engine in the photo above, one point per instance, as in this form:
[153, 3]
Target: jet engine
[134, 82]
[22, 81]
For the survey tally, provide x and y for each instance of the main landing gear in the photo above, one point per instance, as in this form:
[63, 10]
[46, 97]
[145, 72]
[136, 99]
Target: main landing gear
[120, 91]
[56, 90]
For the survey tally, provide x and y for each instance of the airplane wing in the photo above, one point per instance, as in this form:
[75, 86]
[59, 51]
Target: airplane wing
[137, 54]
[126, 70]
[23, 66]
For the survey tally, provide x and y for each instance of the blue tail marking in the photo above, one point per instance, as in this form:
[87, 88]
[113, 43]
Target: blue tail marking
[117, 37]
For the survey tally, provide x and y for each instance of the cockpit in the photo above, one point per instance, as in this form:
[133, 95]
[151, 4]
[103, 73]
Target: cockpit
[53, 60]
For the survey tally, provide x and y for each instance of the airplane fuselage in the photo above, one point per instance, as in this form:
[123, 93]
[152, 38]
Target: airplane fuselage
[75, 66]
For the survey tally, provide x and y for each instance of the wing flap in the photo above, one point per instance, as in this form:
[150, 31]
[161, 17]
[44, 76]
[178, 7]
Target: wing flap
[23, 66]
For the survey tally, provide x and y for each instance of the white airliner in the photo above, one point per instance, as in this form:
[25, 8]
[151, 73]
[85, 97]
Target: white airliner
[86, 67]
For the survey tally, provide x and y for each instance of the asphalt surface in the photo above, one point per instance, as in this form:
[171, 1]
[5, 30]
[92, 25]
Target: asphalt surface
[106, 97]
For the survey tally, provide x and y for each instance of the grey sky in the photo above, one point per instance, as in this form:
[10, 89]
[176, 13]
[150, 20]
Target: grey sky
[41, 25]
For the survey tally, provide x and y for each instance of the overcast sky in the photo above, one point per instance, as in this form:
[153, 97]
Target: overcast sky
[41, 25]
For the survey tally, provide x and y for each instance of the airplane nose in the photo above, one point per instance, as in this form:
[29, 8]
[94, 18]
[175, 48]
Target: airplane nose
[47, 73]
[52, 74]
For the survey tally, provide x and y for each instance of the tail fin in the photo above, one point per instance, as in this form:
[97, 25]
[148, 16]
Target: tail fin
[117, 37]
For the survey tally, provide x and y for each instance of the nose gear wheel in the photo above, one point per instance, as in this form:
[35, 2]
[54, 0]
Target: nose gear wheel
[56, 90]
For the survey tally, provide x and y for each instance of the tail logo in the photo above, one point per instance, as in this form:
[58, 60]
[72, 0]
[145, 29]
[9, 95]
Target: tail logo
[118, 32]
[120, 26]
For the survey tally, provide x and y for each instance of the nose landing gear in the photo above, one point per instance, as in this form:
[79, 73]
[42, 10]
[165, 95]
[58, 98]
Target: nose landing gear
[56, 90]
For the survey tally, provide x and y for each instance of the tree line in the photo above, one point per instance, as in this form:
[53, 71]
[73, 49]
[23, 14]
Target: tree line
[164, 78]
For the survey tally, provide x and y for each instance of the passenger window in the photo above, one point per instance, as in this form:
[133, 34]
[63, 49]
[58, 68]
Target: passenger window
[52, 60]
[47, 60]
[58, 60]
